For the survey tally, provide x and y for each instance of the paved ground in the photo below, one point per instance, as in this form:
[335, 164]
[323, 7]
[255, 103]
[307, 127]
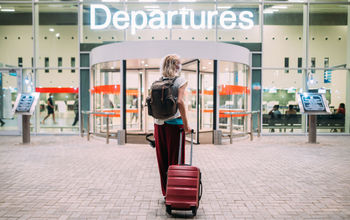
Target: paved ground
[270, 178]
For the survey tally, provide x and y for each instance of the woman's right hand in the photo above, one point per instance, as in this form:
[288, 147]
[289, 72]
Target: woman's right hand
[187, 129]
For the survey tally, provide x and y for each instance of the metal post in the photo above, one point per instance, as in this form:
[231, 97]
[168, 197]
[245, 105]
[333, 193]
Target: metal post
[312, 129]
[180, 150]
[259, 123]
[198, 104]
[88, 126]
[251, 126]
[81, 124]
[230, 129]
[107, 138]
[25, 129]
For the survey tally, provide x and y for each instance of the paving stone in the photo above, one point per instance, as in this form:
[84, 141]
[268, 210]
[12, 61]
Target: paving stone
[67, 177]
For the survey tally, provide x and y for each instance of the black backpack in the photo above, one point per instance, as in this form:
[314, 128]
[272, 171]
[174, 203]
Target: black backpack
[162, 103]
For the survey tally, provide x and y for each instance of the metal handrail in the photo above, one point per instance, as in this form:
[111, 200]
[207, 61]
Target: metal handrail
[88, 113]
[251, 122]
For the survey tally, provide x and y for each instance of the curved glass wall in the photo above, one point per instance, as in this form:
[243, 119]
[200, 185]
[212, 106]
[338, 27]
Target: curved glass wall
[233, 92]
[105, 96]
[233, 96]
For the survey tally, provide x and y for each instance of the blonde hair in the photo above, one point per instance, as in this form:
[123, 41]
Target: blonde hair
[170, 65]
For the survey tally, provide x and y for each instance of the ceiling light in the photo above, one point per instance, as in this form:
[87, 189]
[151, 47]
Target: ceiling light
[152, 6]
[280, 6]
[270, 11]
[146, 65]
[224, 7]
[58, 34]
[0, 6]
[7, 9]
[51, 29]
[209, 63]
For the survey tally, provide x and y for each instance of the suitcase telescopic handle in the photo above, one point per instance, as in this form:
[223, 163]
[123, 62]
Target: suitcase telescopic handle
[180, 150]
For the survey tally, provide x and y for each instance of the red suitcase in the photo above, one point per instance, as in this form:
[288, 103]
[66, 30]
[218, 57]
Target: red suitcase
[184, 185]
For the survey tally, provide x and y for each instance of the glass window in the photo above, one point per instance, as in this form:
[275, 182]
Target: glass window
[20, 62]
[300, 64]
[332, 83]
[16, 34]
[328, 52]
[283, 34]
[58, 100]
[233, 95]
[105, 94]
[47, 64]
[72, 64]
[59, 64]
[95, 32]
[191, 22]
[57, 33]
[286, 64]
[206, 98]
[9, 88]
[238, 22]
[280, 109]
[328, 34]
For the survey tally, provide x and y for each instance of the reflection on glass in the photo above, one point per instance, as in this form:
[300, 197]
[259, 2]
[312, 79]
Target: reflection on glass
[8, 95]
[233, 95]
[106, 96]
[280, 110]
[56, 101]
[72, 64]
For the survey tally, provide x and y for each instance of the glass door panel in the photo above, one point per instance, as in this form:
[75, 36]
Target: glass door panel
[9, 88]
[189, 71]
[133, 101]
[106, 96]
[233, 96]
[207, 101]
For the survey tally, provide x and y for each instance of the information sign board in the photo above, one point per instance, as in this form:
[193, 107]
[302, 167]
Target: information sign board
[25, 103]
[313, 103]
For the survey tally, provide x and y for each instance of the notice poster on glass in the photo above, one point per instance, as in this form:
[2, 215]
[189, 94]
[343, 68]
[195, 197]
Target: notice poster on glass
[313, 103]
[25, 103]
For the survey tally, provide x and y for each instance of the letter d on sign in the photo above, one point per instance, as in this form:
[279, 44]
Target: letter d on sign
[93, 24]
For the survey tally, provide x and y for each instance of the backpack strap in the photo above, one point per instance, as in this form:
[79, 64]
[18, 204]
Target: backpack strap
[170, 79]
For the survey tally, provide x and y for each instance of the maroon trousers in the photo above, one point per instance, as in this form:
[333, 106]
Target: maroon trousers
[167, 138]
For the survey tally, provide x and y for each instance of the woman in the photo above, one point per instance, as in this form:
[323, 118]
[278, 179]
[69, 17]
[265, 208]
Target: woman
[167, 132]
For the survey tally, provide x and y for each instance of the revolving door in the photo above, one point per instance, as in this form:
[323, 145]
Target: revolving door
[218, 84]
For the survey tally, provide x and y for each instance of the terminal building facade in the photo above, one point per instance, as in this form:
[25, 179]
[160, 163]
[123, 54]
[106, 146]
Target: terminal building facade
[294, 46]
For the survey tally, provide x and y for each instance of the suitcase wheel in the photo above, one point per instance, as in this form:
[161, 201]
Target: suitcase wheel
[194, 210]
[168, 209]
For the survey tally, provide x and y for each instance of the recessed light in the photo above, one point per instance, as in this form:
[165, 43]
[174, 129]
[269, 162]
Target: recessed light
[51, 30]
[151, 6]
[8, 10]
[224, 7]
